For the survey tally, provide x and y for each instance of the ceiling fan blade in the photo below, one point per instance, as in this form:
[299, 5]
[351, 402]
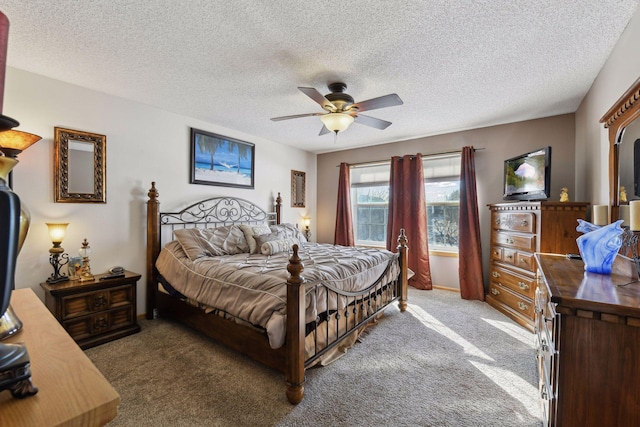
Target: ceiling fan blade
[381, 102]
[372, 121]
[318, 97]
[296, 116]
[324, 131]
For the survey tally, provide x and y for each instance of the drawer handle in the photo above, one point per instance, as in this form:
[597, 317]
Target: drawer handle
[495, 274]
[509, 257]
[524, 261]
[522, 306]
[543, 395]
[99, 301]
[524, 223]
[494, 291]
[100, 323]
[537, 310]
[544, 346]
[523, 286]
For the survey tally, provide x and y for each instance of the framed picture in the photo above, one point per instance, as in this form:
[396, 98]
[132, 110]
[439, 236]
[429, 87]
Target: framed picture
[74, 265]
[219, 160]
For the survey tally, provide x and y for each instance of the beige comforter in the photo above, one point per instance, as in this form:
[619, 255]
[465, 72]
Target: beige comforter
[252, 287]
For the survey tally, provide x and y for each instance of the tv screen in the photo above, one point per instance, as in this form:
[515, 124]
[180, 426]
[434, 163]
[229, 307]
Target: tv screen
[526, 177]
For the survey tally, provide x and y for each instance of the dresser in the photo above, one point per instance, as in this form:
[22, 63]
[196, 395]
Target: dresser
[96, 311]
[71, 390]
[518, 230]
[588, 344]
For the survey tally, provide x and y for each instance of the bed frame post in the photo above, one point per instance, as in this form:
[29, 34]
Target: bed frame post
[404, 270]
[153, 246]
[278, 208]
[294, 370]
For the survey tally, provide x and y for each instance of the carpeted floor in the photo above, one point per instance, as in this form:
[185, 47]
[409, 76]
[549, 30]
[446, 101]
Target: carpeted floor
[445, 362]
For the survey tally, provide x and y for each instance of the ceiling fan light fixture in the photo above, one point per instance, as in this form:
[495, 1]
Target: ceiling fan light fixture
[337, 122]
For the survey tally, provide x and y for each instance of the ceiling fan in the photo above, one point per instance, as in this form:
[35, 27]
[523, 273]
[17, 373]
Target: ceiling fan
[342, 110]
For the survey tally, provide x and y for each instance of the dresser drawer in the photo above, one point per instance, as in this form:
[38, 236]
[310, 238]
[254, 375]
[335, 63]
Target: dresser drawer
[521, 221]
[526, 242]
[518, 283]
[497, 253]
[91, 302]
[517, 302]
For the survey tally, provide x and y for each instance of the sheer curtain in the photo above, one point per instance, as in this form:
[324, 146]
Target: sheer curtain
[469, 246]
[407, 209]
[344, 223]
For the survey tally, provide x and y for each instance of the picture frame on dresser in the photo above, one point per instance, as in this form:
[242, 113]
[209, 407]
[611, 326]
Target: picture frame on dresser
[220, 160]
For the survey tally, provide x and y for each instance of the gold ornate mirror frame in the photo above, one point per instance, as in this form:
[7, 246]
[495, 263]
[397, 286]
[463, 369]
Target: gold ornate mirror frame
[80, 174]
[298, 189]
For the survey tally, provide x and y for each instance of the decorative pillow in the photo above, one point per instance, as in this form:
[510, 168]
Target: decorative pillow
[250, 231]
[199, 242]
[289, 230]
[276, 246]
[263, 238]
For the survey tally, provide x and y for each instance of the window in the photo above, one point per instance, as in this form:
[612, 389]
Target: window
[370, 201]
[442, 195]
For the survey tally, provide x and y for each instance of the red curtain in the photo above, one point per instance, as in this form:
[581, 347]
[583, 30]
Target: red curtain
[469, 246]
[407, 210]
[344, 223]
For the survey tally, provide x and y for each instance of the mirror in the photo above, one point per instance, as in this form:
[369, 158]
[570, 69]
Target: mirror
[79, 167]
[620, 116]
[626, 167]
[298, 183]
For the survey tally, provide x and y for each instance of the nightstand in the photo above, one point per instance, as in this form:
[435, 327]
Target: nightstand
[95, 312]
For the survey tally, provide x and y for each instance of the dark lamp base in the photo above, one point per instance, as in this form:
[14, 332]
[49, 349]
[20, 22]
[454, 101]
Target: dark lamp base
[7, 123]
[15, 372]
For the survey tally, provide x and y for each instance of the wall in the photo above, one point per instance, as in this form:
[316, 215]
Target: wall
[497, 142]
[144, 144]
[619, 72]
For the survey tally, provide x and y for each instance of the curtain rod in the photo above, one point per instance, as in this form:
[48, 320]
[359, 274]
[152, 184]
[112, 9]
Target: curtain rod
[371, 162]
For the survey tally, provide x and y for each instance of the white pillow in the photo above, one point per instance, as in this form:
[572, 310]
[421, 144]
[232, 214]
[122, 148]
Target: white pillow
[254, 230]
[276, 246]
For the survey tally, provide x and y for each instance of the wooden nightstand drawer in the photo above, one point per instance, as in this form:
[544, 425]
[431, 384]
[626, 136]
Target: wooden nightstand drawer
[84, 327]
[91, 302]
[95, 312]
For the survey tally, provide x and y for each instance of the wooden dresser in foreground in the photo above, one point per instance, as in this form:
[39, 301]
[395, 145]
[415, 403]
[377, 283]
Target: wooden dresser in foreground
[518, 230]
[71, 390]
[96, 311]
[588, 339]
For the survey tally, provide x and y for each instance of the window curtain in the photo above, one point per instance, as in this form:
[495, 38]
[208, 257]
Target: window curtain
[344, 223]
[469, 246]
[407, 209]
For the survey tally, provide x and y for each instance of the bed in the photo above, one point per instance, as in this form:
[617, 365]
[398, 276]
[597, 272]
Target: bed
[286, 303]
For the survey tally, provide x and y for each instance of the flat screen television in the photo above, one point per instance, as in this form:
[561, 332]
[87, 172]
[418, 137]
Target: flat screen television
[527, 176]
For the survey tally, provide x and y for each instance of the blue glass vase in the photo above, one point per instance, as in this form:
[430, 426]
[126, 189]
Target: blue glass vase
[599, 245]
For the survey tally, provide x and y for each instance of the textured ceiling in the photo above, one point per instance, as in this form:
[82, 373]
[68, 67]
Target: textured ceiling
[455, 64]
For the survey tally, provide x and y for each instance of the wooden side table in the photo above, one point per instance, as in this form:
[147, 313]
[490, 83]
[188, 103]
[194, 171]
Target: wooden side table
[71, 390]
[95, 312]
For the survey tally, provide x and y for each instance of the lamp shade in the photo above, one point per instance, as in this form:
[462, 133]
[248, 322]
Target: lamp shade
[337, 122]
[13, 142]
[56, 231]
[307, 221]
